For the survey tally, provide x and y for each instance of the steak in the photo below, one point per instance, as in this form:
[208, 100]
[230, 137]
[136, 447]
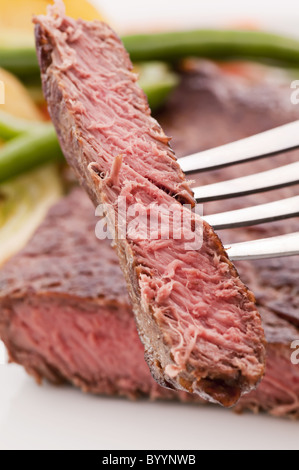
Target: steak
[65, 315]
[64, 309]
[198, 322]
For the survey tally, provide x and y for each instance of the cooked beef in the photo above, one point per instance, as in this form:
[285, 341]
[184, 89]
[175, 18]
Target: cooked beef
[197, 320]
[278, 393]
[64, 308]
[65, 315]
[61, 267]
[234, 108]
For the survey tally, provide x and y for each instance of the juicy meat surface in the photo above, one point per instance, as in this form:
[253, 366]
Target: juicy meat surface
[198, 322]
[65, 322]
[64, 307]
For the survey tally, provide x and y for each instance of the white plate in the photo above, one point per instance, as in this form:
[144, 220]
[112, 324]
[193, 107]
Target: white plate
[47, 417]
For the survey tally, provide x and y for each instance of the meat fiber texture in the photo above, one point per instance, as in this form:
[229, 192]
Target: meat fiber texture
[64, 321]
[65, 312]
[64, 308]
[198, 322]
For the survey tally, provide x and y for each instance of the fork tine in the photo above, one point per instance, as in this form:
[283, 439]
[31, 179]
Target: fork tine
[265, 181]
[254, 215]
[274, 247]
[280, 139]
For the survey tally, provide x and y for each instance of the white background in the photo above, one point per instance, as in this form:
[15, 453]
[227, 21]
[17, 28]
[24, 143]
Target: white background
[46, 417]
[280, 15]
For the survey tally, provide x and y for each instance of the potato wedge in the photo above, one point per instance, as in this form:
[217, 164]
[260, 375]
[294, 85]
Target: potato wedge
[17, 99]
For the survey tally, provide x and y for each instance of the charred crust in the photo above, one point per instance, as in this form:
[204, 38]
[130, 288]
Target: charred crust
[220, 391]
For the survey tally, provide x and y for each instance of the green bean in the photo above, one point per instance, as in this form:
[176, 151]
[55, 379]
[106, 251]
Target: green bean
[11, 126]
[171, 46]
[21, 61]
[157, 81]
[158, 93]
[216, 44]
[28, 151]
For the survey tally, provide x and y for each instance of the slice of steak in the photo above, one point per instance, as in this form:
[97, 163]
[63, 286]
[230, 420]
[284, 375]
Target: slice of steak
[65, 316]
[197, 320]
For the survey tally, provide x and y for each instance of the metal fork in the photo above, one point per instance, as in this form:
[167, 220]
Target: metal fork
[272, 142]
